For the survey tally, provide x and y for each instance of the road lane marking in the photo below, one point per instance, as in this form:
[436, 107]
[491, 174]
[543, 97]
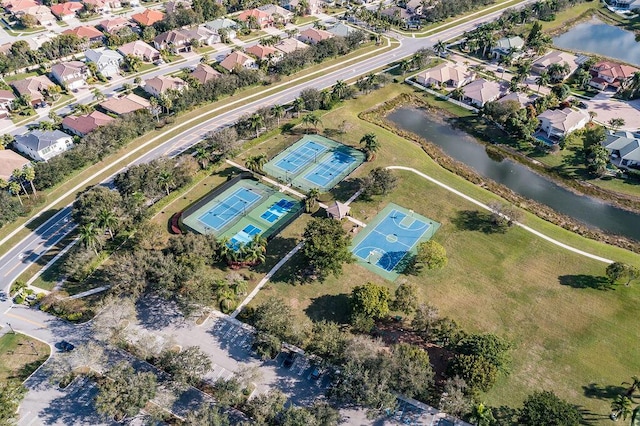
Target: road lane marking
[21, 318]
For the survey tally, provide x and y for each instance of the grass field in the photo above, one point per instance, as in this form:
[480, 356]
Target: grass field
[18, 358]
[573, 333]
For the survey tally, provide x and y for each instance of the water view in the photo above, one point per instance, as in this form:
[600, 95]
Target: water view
[515, 176]
[599, 38]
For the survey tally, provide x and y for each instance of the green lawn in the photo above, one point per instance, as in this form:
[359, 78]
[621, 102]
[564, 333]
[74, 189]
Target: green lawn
[573, 334]
[20, 355]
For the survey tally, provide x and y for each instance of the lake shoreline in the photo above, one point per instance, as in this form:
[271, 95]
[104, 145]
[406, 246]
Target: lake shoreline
[379, 115]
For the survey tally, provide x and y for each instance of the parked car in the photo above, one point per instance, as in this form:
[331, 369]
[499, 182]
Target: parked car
[316, 373]
[582, 105]
[66, 346]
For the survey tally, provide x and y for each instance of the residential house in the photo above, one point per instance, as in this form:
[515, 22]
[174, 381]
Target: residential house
[264, 53]
[140, 49]
[66, 11]
[414, 7]
[42, 145]
[173, 6]
[314, 35]
[279, 15]
[204, 73]
[508, 45]
[157, 86]
[125, 104]
[238, 59]
[10, 161]
[203, 35]
[16, 6]
[624, 148]
[113, 25]
[607, 74]
[41, 13]
[557, 123]
[289, 45]
[263, 19]
[72, 75]
[625, 4]
[90, 33]
[223, 24]
[38, 40]
[481, 91]
[107, 61]
[520, 97]
[446, 74]
[175, 41]
[400, 14]
[5, 48]
[543, 63]
[6, 102]
[313, 6]
[148, 17]
[33, 87]
[103, 6]
[82, 125]
[341, 29]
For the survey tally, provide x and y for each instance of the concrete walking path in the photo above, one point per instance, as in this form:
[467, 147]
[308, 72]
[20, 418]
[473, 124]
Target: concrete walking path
[484, 206]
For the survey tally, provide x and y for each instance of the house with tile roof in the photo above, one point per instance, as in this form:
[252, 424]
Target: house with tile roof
[107, 61]
[507, 45]
[158, 86]
[557, 123]
[481, 91]
[543, 63]
[624, 148]
[66, 11]
[225, 24]
[175, 41]
[103, 6]
[446, 74]
[238, 59]
[42, 145]
[520, 97]
[289, 45]
[33, 87]
[148, 17]
[125, 104]
[204, 73]
[82, 125]
[72, 74]
[279, 15]
[264, 53]
[314, 35]
[16, 6]
[203, 35]
[263, 19]
[141, 50]
[113, 25]
[608, 74]
[6, 102]
[41, 13]
[90, 33]
[10, 161]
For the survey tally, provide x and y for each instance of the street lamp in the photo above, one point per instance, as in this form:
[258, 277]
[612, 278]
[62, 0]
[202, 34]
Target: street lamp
[244, 208]
[12, 330]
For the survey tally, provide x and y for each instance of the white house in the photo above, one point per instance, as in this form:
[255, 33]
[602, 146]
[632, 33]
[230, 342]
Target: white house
[560, 122]
[42, 145]
[508, 45]
[447, 74]
[224, 24]
[157, 86]
[238, 59]
[481, 91]
[107, 61]
[6, 102]
[624, 148]
[72, 75]
[140, 49]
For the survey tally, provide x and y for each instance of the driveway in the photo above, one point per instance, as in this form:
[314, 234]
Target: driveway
[607, 108]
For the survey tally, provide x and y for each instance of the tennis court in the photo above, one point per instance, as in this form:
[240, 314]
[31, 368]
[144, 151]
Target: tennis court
[229, 208]
[386, 241]
[240, 209]
[314, 162]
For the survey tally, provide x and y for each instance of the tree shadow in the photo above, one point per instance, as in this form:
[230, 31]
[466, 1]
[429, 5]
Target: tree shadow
[474, 220]
[598, 391]
[345, 189]
[330, 307]
[277, 248]
[586, 281]
[408, 265]
[155, 313]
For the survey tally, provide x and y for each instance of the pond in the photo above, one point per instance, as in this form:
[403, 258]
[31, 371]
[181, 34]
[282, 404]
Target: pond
[603, 39]
[459, 145]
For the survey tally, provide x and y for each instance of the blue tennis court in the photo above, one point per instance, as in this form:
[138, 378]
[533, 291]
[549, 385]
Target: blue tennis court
[231, 207]
[277, 210]
[244, 236]
[391, 239]
[303, 155]
[329, 168]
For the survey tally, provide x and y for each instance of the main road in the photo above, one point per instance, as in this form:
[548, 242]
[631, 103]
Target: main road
[16, 260]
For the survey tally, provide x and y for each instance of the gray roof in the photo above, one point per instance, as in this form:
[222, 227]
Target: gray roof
[102, 54]
[510, 43]
[631, 151]
[217, 24]
[341, 30]
[613, 142]
[38, 140]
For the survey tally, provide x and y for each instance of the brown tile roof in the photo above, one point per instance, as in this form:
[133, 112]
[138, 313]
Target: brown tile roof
[33, 86]
[110, 25]
[84, 124]
[262, 52]
[204, 73]
[234, 59]
[148, 17]
[64, 9]
[315, 34]
[84, 31]
[125, 104]
[9, 161]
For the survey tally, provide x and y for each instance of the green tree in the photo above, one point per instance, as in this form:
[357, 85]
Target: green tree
[165, 179]
[379, 181]
[89, 234]
[545, 408]
[202, 155]
[616, 123]
[298, 106]
[209, 415]
[411, 371]
[477, 372]
[489, 346]
[11, 394]
[542, 80]
[122, 392]
[18, 176]
[340, 89]
[431, 255]
[619, 270]
[255, 163]
[256, 122]
[326, 247]
[29, 174]
[273, 316]
[621, 407]
[264, 408]
[328, 341]
[188, 367]
[406, 298]
[481, 415]
[14, 189]
[108, 221]
[311, 201]
[278, 112]
[368, 303]
[132, 62]
[371, 145]
[597, 158]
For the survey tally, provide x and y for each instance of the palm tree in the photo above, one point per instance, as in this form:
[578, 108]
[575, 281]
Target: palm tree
[634, 385]
[256, 121]
[314, 120]
[371, 145]
[298, 105]
[132, 62]
[278, 112]
[405, 65]
[440, 47]
[107, 220]
[339, 89]
[635, 416]
[255, 162]
[616, 123]
[153, 102]
[240, 287]
[53, 116]
[98, 95]
[54, 92]
[621, 407]
[165, 179]
[311, 201]
[543, 79]
[592, 115]
[89, 235]
[255, 250]
[29, 173]
[457, 93]
[17, 175]
[166, 103]
[224, 248]
[202, 156]
[14, 189]
[227, 298]
[481, 415]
